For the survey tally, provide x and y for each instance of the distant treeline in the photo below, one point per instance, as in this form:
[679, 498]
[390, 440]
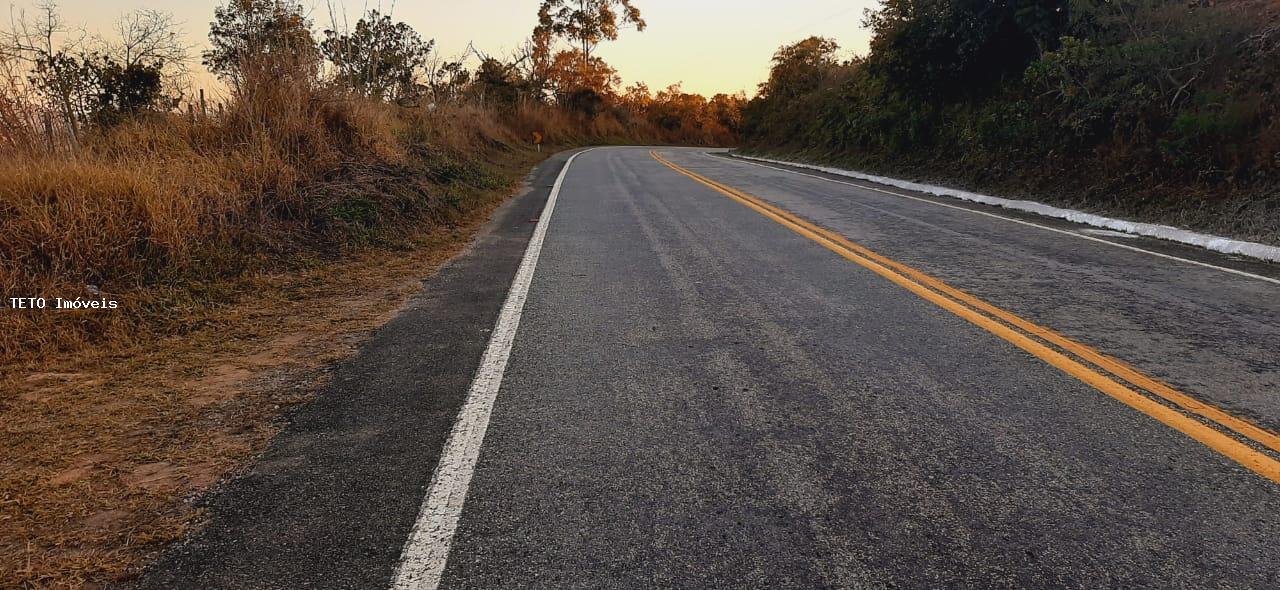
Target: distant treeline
[1142, 93]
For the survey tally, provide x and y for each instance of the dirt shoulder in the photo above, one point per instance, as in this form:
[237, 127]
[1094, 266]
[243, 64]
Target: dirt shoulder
[107, 447]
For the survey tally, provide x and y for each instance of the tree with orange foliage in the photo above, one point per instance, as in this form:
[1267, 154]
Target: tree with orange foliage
[726, 110]
[571, 71]
[582, 83]
[674, 109]
[636, 99]
[587, 22]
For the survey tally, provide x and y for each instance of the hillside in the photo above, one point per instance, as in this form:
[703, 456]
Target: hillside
[1163, 111]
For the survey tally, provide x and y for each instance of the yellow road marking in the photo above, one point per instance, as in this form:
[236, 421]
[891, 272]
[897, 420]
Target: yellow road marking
[1114, 366]
[899, 273]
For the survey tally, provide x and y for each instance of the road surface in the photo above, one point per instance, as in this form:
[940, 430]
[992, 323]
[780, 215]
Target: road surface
[716, 374]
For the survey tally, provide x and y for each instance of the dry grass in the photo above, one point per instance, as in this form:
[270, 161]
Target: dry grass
[246, 252]
[105, 449]
[153, 211]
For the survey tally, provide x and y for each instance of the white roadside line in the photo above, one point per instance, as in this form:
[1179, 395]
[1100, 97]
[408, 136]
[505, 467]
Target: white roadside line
[424, 555]
[1044, 227]
[1168, 233]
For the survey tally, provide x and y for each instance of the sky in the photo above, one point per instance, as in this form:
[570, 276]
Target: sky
[708, 46]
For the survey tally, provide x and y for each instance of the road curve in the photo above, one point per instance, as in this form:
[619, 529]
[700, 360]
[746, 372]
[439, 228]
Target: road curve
[718, 382]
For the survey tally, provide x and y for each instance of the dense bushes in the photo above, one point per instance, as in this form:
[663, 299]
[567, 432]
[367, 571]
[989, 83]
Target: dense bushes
[946, 49]
[1147, 91]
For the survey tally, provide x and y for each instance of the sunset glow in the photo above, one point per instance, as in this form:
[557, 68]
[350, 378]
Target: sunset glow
[709, 45]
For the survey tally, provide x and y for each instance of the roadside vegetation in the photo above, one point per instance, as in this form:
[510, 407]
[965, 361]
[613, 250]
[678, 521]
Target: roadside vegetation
[1160, 109]
[115, 178]
[266, 225]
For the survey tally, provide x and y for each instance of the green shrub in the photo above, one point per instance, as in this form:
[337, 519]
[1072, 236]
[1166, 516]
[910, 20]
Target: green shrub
[1142, 86]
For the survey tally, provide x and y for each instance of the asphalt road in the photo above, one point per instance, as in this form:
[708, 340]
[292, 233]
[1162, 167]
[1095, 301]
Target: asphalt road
[700, 395]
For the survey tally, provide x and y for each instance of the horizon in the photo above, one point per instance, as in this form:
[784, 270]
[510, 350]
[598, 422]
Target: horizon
[678, 47]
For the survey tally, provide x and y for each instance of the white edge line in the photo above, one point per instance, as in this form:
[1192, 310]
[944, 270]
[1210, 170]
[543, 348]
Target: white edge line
[748, 160]
[424, 555]
[1165, 232]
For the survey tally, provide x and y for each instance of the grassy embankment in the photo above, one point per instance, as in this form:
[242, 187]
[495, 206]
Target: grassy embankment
[246, 251]
[1156, 110]
[158, 213]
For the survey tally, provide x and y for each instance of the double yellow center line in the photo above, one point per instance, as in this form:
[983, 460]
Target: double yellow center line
[1242, 441]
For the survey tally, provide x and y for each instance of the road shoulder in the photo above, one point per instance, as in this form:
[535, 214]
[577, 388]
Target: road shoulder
[1154, 245]
[331, 500]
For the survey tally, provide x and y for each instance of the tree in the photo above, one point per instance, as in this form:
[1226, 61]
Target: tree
[148, 37]
[799, 68]
[586, 23]
[726, 110]
[538, 68]
[67, 81]
[50, 64]
[380, 58]
[267, 38]
[498, 82]
[636, 100]
[140, 70]
[582, 84]
[674, 109]
[86, 80]
[446, 79]
[942, 49]
[126, 90]
[572, 71]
